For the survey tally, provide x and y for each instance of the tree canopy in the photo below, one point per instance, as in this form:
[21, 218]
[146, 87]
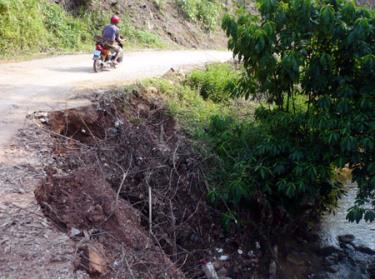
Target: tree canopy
[313, 61]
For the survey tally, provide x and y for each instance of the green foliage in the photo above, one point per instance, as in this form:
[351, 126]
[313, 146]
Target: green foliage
[39, 25]
[188, 106]
[325, 51]
[272, 161]
[63, 30]
[17, 15]
[205, 11]
[217, 83]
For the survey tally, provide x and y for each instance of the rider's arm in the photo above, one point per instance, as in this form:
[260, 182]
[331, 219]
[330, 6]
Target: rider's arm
[118, 37]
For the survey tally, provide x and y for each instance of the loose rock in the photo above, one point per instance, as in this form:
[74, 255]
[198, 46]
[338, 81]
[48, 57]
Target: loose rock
[346, 238]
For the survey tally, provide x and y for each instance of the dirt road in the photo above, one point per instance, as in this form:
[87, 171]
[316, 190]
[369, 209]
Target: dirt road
[53, 82]
[30, 247]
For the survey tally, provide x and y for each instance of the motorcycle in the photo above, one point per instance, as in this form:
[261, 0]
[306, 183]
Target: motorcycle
[104, 57]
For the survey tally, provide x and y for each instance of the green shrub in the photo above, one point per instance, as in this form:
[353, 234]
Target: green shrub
[217, 83]
[325, 52]
[205, 11]
[272, 162]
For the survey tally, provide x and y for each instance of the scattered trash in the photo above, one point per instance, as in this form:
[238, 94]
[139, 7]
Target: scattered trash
[74, 232]
[209, 271]
[118, 123]
[273, 270]
[257, 245]
[44, 120]
[239, 251]
[223, 258]
[219, 250]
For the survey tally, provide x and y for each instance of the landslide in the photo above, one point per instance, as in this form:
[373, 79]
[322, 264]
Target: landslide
[111, 159]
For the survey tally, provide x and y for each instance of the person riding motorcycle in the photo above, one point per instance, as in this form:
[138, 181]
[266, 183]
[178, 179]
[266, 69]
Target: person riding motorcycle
[112, 39]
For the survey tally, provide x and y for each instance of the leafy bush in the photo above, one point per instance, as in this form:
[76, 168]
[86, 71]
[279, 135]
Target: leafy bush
[272, 162]
[217, 83]
[324, 51]
[205, 11]
[63, 30]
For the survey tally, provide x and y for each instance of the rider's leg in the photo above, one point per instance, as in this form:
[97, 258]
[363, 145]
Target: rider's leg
[118, 52]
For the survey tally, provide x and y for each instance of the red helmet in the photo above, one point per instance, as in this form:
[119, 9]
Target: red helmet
[115, 20]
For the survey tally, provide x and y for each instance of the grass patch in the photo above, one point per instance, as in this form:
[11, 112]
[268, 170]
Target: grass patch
[217, 83]
[188, 101]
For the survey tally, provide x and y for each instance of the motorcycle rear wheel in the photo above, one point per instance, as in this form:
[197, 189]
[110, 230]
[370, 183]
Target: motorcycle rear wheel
[98, 66]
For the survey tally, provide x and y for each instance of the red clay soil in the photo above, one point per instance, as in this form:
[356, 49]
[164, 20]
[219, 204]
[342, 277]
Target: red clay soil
[129, 144]
[85, 201]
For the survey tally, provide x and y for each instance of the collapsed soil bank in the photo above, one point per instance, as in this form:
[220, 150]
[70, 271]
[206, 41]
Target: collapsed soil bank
[108, 158]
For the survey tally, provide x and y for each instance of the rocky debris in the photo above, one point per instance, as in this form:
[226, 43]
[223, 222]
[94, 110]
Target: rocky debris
[365, 249]
[371, 269]
[346, 238]
[328, 250]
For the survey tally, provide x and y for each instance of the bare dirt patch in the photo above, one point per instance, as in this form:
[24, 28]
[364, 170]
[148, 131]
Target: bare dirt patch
[128, 188]
[30, 245]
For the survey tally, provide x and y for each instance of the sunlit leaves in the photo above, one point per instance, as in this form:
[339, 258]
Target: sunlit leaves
[324, 51]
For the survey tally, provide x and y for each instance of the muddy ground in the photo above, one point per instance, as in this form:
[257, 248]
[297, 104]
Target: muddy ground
[110, 160]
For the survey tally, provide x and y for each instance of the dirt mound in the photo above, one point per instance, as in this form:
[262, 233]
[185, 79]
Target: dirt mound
[86, 206]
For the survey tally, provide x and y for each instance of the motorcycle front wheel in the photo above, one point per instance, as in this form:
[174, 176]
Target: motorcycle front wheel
[98, 66]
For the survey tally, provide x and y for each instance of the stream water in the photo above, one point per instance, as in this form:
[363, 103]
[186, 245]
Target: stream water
[350, 247]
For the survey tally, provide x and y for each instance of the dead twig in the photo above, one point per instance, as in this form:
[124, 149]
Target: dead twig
[88, 128]
[173, 223]
[149, 202]
[127, 263]
[174, 157]
[190, 216]
[124, 175]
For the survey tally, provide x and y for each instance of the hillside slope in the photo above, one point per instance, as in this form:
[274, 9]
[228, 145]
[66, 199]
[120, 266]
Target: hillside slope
[169, 19]
[45, 26]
